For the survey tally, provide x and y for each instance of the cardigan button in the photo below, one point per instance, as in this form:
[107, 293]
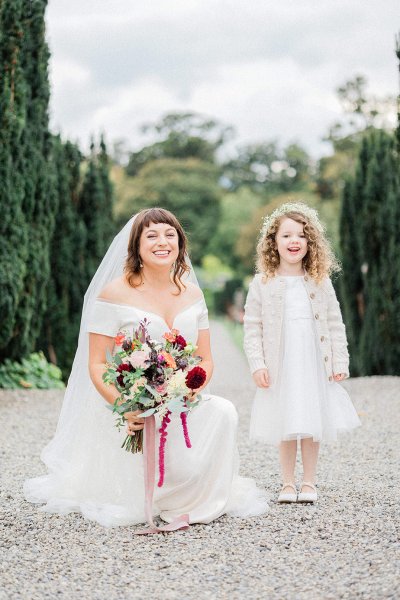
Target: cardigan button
[330, 378]
[326, 358]
[317, 316]
[322, 338]
[312, 295]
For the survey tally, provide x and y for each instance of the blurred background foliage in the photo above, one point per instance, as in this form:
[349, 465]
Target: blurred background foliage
[61, 208]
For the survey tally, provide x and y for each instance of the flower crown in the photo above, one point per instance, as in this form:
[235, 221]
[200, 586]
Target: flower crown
[297, 207]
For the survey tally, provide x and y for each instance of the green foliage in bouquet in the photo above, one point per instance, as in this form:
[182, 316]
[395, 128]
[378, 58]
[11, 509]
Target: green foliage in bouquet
[32, 372]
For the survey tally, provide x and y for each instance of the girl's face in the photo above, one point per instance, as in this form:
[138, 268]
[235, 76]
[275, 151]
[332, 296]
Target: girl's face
[291, 242]
[159, 245]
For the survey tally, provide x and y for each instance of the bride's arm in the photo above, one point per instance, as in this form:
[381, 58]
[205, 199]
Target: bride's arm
[204, 350]
[98, 346]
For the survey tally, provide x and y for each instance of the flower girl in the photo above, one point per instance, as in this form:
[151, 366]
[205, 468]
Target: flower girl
[295, 343]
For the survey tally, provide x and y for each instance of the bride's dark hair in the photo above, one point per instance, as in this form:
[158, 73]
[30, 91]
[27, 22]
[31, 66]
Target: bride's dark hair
[132, 268]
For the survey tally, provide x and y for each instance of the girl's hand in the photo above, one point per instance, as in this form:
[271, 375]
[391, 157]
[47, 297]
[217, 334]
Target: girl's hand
[339, 377]
[135, 423]
[261, 378]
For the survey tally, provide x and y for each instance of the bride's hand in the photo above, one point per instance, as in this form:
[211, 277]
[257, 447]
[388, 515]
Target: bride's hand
[193, 393]
[135, 423]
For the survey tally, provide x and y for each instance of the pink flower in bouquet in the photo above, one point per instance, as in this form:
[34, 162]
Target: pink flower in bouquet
[138, 359]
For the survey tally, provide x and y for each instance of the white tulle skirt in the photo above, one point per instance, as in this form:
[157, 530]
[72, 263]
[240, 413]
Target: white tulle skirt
[303, 403]
[94, 476]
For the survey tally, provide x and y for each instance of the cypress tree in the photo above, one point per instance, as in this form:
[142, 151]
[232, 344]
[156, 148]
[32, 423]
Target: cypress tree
[370, 241]
[351, 283]
[84, 225]
[108, 190]
[30, 165]
[95, 208]
[398, 97]
[40, 199]
[390, 273]
[13, 225]
[60, 325]
[374, 188]
[379, 339]
[52, 235]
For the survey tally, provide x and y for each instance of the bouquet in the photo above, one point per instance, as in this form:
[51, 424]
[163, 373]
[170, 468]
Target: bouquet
[156, 377]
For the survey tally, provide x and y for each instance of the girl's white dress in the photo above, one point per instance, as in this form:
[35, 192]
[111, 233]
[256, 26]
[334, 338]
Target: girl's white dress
[303, 402]
[94, 476]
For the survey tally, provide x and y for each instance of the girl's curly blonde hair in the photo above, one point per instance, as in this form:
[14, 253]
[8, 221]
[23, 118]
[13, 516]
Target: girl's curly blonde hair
[319, 262]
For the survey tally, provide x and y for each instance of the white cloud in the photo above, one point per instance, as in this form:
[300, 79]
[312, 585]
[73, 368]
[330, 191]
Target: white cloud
[270, 69]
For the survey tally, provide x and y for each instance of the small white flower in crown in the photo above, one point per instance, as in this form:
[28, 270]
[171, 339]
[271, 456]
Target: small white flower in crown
[298, 207]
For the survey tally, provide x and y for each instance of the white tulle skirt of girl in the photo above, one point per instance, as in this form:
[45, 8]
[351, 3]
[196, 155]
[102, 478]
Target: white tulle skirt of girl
[303, 403]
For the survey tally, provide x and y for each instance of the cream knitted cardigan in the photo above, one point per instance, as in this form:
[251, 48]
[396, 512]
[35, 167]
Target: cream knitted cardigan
[263, 325]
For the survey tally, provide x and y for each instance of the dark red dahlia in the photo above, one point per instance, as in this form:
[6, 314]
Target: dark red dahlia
[180, 342]
[195, 378]
[123, 367]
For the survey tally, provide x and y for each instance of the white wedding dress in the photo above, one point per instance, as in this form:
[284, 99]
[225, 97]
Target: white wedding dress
[91, 474]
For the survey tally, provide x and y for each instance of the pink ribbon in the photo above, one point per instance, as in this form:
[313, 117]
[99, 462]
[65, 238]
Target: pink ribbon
[181, 522]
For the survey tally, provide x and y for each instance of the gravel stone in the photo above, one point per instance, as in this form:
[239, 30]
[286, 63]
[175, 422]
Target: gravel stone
[346, 546]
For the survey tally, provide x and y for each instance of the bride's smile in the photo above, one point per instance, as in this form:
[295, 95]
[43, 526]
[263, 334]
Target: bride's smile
[159, 245]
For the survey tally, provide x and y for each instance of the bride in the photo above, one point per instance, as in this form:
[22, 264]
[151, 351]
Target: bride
[145, 273]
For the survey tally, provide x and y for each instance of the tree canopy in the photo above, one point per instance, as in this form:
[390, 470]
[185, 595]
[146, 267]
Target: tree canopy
[187, 187]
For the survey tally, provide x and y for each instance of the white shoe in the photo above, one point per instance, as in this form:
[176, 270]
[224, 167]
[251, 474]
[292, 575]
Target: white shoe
[287, 497]
[307, 496]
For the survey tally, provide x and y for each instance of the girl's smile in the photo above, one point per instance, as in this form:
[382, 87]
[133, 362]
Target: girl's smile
[291, 244]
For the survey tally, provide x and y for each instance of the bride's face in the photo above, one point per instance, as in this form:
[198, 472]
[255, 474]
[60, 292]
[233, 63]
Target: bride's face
[159, 245]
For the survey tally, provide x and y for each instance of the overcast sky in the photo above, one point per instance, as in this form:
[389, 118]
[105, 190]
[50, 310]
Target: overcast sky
[269, 68]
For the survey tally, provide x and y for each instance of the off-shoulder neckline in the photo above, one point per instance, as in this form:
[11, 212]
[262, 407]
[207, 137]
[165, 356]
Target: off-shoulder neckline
[146, 311]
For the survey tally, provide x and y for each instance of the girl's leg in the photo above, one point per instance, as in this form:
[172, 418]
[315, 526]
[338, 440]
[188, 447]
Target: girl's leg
[309, 455]
[287, 457]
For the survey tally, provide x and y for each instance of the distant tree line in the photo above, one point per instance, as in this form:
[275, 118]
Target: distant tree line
[56, 205]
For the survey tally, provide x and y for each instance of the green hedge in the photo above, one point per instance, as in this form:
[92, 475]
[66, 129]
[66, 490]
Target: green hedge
[32, 372]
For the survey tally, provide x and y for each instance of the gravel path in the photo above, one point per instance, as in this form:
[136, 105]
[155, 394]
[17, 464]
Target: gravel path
[346, 546]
